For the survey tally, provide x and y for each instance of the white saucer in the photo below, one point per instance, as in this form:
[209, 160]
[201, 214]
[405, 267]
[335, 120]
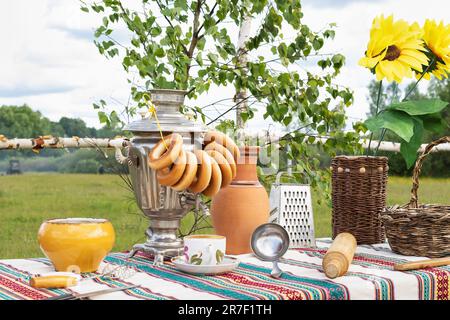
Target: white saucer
[228, 264]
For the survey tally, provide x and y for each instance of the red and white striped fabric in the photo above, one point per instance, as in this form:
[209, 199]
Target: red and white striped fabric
[371, 276]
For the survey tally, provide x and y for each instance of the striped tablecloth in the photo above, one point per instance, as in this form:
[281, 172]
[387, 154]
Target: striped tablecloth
[370, 277]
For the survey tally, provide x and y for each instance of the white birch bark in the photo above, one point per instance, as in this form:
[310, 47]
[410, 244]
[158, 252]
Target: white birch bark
[241, 96]
[49, 142]
[120, 142]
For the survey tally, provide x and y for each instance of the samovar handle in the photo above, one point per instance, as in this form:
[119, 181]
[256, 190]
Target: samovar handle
[201, 206]
[120, 158]
[188, 199]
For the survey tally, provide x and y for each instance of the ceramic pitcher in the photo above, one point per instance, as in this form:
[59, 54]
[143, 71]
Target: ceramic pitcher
[240, 208]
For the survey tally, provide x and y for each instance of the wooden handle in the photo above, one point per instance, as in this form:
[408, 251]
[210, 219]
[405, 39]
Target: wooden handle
[339, 256]
[414, 202]
[53, 282]
[422, 264]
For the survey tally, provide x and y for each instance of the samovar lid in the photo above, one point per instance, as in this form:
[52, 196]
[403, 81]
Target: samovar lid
[170, 119]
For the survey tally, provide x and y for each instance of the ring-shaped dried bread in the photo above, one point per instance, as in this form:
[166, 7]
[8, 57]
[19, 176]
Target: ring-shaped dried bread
[224, 140]
[204, 172]
[226, 153]
[171, 175]
[189, 173]
[225, 168]
[216, 180]
[160, 157]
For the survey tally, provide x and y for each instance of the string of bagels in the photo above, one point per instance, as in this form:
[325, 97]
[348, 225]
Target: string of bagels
[202, 171]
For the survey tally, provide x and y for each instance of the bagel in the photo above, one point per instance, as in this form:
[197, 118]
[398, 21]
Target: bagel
[225, 168]
[204, 172]
[170, 176]
[189, 173]
[216, 180]
[223, 139]
[160, 157]
[226, 153]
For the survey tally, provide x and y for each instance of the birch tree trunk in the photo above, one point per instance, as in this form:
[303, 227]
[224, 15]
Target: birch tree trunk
[241, 96]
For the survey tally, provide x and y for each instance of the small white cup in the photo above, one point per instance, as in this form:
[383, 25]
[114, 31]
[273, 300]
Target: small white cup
[203, 249]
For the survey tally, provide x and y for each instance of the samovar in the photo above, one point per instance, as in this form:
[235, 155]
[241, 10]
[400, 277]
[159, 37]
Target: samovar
[163, 206]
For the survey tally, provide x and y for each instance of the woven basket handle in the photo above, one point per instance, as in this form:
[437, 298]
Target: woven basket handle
[418, 167]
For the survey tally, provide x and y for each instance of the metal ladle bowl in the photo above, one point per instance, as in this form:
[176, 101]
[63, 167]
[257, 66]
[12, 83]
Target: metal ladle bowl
[270, 242]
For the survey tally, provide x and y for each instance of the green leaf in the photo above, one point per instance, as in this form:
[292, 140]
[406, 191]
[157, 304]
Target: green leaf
[317, 43]
[103, 117]
[409, 149]
[398, 122]
[419, 107]
[338, 61]
[159, 52]
[213, 57]
[434, 123]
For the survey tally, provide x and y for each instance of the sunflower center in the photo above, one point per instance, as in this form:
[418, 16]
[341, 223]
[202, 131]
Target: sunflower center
[392, 53]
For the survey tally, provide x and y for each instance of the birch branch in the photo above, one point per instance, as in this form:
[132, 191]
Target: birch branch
[384, 145]
[121, 142]
[49, 142]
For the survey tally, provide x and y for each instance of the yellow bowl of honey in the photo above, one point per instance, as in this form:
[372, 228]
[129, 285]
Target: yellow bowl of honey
[76, 244]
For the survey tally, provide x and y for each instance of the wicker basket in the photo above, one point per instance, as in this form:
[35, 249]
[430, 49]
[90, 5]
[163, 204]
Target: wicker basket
[359, 196]
[419, 230]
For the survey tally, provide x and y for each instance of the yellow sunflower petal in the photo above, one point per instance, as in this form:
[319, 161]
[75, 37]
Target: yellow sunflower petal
[437, 38]
[395, 48]
[408, 60]
[385, 69]
[419, 56]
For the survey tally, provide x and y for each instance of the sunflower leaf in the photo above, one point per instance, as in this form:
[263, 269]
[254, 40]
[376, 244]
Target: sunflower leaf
[419, 107]
[409, 149]
[398, 122]
[434, 123]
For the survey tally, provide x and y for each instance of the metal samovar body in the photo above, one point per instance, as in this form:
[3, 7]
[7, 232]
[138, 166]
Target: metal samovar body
[163, 206]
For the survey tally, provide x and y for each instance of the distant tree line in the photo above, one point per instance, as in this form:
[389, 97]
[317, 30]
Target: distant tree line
[23, 122]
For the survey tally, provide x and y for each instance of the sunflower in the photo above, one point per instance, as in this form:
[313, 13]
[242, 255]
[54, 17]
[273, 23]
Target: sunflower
[394, 49]
[437, 40]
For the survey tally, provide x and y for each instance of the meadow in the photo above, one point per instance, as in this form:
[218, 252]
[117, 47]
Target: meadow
[27, 200]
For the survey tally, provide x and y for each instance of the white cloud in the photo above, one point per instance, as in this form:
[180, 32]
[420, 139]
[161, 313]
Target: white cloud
[46, 65]
[48, 59]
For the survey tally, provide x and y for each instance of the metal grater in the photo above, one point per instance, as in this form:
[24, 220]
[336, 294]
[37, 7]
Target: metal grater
[292, 209]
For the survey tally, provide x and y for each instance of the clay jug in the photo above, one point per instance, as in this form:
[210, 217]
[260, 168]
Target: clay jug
[240, 208]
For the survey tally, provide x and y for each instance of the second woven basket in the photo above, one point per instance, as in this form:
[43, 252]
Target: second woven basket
[419, 229]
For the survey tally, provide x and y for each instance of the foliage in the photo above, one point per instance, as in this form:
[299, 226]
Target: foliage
[79, 161]
[76, 127]
[23, 122]
[87, 166]
[409, 120]
[441, 90]
[437, 163]
[188, 45]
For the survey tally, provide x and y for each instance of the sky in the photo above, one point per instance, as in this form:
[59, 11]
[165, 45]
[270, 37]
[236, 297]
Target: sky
[48, 59]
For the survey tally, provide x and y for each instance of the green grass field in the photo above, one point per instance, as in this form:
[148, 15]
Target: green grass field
[27, 200]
